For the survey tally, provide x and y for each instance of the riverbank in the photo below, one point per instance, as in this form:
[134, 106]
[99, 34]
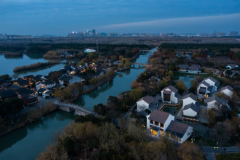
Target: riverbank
[12, 54]
[34, 66]
[24, 119]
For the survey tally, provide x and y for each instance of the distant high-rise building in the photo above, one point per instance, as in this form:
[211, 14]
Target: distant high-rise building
[234, 33]
[94, 32]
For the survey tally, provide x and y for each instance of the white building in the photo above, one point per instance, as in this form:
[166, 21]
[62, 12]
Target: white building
[170, 95]
[214, 102]
[194, 69]
[148, 102]
[232, 66]
[45, 84]
[68, 80]
[89, 50]
[158, 121]
[207, 86]
[190, 105]
[162, 123]
[179, 132]
[227, 90]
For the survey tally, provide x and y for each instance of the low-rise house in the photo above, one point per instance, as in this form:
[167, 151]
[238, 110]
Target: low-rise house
[40, 91]
[23, 83]
[7, 94]
[194, 69]
[37, 78]
[183, 68]
[30, 100]
[158, 122]
[22, 92]
[207, 87]
[28, 77]
[170, 95]
[47, 94]
[146, 102]
[189, 55]
[44, 78]
[233, 73]
[68, 80]
[227, 90]
[232, 66]
[6, 85]
[214, 102]
[190, 105]
[45, 84]
[179, 132]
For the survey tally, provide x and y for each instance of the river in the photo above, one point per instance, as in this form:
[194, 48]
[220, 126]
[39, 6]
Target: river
[26, 143]
[8, 64]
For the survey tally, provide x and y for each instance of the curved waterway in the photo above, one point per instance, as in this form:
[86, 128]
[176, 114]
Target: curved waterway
[26, 143]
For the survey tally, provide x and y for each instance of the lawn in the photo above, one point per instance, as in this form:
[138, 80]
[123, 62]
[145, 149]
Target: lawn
[228, 156]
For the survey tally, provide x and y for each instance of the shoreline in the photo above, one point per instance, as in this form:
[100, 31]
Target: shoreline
[34, 66]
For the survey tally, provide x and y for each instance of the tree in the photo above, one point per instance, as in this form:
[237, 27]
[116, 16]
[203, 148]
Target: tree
[194, 84]
[127, 64]
[228, 72]
[153, 151]
[100, 109]
[10, 106]
[161, 85]
[211, 117]
[181, 87]
[170, 73]
[81, 63]
[120, 65]
[6, 77]
[221, 132]
[69, 145]
[55, 75]
[189, 151]
[136, 93]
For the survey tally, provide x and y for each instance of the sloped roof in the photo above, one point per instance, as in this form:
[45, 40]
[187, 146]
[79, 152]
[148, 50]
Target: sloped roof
[23, 91]
[204, 83]
[159, 116]
[232, 65]
[171, 88]
[191, 95]
[42, 90]
[193, 68]
[210, 88]
[216, 98]
[148, 99]
[65, 78]
[194, 107]
[47, 82]
[7, 93]
[177, 128]
[183, 66]
[227, 87]
[14, 86]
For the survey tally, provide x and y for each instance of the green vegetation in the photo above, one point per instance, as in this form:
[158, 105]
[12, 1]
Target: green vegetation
[34, 66]
[12, 54]
[10, 106]
[36, 50]
[6, 77]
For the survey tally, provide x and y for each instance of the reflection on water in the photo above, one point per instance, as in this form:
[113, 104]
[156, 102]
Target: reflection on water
[187, 80]
[170, 110]
[27, 142]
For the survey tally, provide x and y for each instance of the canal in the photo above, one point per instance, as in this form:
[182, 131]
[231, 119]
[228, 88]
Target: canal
[26, 143]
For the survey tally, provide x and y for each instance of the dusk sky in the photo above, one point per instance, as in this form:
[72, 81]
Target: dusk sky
[60, 17]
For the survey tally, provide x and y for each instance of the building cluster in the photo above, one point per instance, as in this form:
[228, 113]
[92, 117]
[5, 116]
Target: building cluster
[161, 123]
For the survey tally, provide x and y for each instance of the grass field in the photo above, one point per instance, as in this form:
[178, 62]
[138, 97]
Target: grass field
[228, 156]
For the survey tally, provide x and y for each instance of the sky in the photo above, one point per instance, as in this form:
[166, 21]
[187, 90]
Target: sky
[60, 17]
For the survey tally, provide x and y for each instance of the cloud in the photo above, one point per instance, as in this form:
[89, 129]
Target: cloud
[176, 21]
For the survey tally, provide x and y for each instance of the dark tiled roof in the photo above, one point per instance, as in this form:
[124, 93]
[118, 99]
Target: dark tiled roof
[65, 78]
[22, 81]
[48, 82]
[42, 90]
[183, 66]
[191, 95]
[159, 116]
[14, 86]
[210, 88]
[5, 85]
[204, 83]
[171, 88]
[193, 68]
[28, 76]
[227, 87]
[23, 91]
[167, 92]
[194, 107]
[2, 81]
[147, 99]
[29, 99]
[216, 98]
[177, 128]
[7, 93]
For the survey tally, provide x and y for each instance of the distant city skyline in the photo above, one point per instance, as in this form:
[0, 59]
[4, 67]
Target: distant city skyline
[60, 17]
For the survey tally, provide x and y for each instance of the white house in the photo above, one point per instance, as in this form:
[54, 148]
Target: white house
[232, 66]
[207, 86]
[158, 121]
[89, 50]
[194, 69]
[148, 102]
[162, 123]
[227, 90]
[170, 95]
[179, 132]
[214, 102]
[68, 80]
[190, 105]
[45, 84]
